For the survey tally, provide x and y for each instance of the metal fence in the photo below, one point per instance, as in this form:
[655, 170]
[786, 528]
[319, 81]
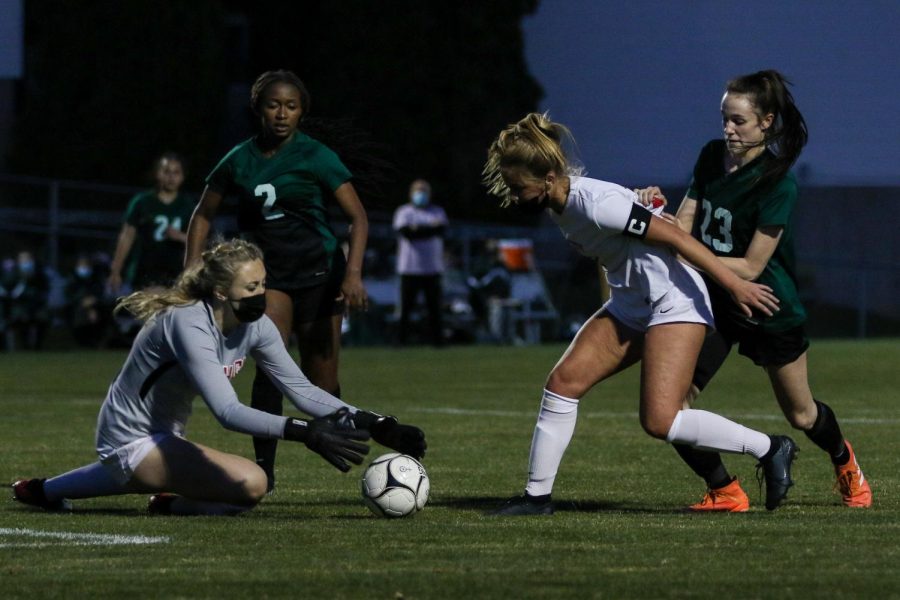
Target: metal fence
[848, 262]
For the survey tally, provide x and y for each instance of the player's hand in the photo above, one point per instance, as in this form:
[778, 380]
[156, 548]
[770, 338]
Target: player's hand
[749, 295]
[176, 235]
[114, 282]
[387, 431]
[651, 197]
[326, 437]
[353, 292]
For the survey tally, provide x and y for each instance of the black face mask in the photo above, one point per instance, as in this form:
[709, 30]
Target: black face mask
[249, 309]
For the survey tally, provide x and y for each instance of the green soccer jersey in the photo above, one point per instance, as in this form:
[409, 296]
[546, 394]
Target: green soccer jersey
[730, 210]
[282, 206]
[159, 259]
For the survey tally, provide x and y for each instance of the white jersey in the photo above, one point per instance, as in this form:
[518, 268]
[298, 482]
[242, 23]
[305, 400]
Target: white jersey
[181, 353]
[606, 221]
[423, 255]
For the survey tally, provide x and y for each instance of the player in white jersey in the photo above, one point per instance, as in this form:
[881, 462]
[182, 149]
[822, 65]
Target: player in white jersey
[197, 336]
[658, 312]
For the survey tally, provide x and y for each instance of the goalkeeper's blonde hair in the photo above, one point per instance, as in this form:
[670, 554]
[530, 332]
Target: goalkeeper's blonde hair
[535, 146]
[215, 270]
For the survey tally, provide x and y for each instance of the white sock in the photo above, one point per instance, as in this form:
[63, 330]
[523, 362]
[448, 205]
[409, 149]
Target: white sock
[554, 429]
[709, 431]
[84, 482]
[189, 506]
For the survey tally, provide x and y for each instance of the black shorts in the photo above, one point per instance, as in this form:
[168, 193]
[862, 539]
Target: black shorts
[318, 301]
[764, 348]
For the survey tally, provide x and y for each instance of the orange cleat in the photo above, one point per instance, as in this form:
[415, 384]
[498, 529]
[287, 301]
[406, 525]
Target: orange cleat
[730, 498]
[855, 490]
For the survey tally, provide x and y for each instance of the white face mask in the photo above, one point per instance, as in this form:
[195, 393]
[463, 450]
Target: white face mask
[419, 197]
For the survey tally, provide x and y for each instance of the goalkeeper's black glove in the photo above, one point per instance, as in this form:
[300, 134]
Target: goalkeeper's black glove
[405, 439]
[325, 436]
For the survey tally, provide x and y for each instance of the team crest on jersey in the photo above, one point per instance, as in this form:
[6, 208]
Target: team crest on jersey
[234, 368]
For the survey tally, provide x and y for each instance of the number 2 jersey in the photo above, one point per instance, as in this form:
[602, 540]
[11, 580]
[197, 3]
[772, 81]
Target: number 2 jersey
[282, 206]
[181, 353]
[729, 211]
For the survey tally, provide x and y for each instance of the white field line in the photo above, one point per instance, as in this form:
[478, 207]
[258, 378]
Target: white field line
[74, 539]
[628, 415]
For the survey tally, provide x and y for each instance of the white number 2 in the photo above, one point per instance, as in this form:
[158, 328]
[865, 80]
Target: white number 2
[723, 243]
[269, 212]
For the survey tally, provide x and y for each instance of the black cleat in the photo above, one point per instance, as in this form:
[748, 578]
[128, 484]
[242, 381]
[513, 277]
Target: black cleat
[31, 492]
[524, 506]
[777, 470]
[161, 504]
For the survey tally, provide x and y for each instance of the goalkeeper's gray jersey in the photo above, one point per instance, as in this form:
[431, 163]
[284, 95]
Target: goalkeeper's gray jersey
[179, 354]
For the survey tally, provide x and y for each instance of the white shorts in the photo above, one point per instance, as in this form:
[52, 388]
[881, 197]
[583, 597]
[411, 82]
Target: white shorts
[121, 462]
[686, 302]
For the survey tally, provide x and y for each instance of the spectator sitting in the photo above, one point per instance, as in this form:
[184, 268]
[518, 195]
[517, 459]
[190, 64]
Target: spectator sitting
[88, 309]
[489, 289]
[7, 282]
[28, 312]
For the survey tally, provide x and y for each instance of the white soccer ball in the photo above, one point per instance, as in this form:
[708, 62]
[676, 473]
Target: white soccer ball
[395, 485]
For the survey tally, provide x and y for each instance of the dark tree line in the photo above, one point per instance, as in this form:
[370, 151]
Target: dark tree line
[111, 84]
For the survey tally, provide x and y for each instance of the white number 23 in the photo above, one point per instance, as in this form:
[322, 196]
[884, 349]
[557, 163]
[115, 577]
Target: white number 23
[723, 242]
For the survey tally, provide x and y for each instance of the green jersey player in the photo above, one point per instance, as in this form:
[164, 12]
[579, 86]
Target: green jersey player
[153, 232]
[284, 182]
[740, 205]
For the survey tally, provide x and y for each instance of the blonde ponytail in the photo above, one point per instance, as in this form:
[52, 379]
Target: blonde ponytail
[215, 270]
[535, 145]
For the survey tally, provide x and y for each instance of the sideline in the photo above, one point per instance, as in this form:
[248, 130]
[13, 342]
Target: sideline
[75, 539]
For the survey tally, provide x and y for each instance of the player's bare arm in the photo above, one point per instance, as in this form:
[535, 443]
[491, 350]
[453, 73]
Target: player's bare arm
[201, 223]
[746, 294]
[352, 288]
[126, 240]
[762, 247]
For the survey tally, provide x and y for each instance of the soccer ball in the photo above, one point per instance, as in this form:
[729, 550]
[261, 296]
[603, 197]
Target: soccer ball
[395, 485]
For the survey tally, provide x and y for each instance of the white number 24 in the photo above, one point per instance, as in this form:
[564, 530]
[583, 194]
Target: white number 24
[162, 226]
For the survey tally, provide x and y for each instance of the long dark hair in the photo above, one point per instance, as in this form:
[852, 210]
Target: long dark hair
[364, 157]
[768, 92]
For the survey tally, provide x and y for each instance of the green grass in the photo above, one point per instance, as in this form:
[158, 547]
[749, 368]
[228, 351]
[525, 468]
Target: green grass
[619, 534]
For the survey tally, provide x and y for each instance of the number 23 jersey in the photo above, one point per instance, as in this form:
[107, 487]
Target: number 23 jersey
[282, 206]
[730, 208]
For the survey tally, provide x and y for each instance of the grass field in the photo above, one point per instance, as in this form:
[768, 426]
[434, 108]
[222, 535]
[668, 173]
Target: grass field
[619, 531]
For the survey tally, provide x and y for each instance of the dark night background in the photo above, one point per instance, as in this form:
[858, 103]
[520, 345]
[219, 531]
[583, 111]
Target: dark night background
[104, 87]
[429, 83]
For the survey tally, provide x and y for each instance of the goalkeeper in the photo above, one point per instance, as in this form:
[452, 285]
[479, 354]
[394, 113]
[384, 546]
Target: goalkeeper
[196, 337]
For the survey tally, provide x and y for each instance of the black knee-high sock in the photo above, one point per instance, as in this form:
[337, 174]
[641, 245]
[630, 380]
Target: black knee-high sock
[707, 465]
[826, 434]
[265, 397]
